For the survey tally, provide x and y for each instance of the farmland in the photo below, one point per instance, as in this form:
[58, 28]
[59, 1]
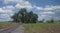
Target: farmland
[35, 27]
[42, 28]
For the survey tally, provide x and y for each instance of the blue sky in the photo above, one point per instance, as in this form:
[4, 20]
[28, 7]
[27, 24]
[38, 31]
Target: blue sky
[45, 2]
[45, 9]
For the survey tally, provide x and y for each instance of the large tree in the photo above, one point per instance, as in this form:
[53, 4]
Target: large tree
[25, 17]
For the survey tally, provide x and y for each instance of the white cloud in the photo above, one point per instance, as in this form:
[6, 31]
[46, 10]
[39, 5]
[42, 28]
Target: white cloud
[48, 8]
[23, 6]
[4, 15]
[43, 16]
[13, 1]
[26, 4]
[39, 8]
[6, 12]
[6, 9]
[1, 10]
[49, 12]
[20, 3]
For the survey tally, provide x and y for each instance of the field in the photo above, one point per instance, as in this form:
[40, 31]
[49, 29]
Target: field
[42, 28]
[35, 27]
[4, 25]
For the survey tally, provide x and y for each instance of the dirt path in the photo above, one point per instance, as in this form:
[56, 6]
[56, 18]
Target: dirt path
[20, 29]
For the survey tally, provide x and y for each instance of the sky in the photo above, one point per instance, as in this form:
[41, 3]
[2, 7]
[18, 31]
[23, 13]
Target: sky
[45, 9]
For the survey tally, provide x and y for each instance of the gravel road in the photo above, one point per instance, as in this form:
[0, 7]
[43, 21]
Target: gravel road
[20, 29]
[14, 29]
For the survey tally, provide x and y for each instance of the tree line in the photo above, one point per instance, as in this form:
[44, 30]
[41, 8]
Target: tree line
[25, 17]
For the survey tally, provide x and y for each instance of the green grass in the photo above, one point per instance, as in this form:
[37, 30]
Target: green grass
[45, 24]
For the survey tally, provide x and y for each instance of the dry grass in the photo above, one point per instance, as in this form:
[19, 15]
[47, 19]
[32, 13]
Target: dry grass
[4, 25]
[42, 28]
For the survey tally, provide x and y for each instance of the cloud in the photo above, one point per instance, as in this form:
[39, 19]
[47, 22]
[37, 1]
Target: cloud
[43, 16]
[23, 6]
[27, 4]
[48, 8]
[6, 9]
[49, 12]
[6, 12]
[39, 8]
[20, 4]
[43, 11]
[13, 1]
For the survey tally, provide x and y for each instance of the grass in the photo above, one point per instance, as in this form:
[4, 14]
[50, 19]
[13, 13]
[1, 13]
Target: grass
[42, 28]
[4, 25]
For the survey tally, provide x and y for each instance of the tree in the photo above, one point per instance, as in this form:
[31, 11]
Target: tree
[52, 21]
[43, 20]
[32, 17]
[15, 17]
[25, 17]
[35, 18]
[22, 13]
